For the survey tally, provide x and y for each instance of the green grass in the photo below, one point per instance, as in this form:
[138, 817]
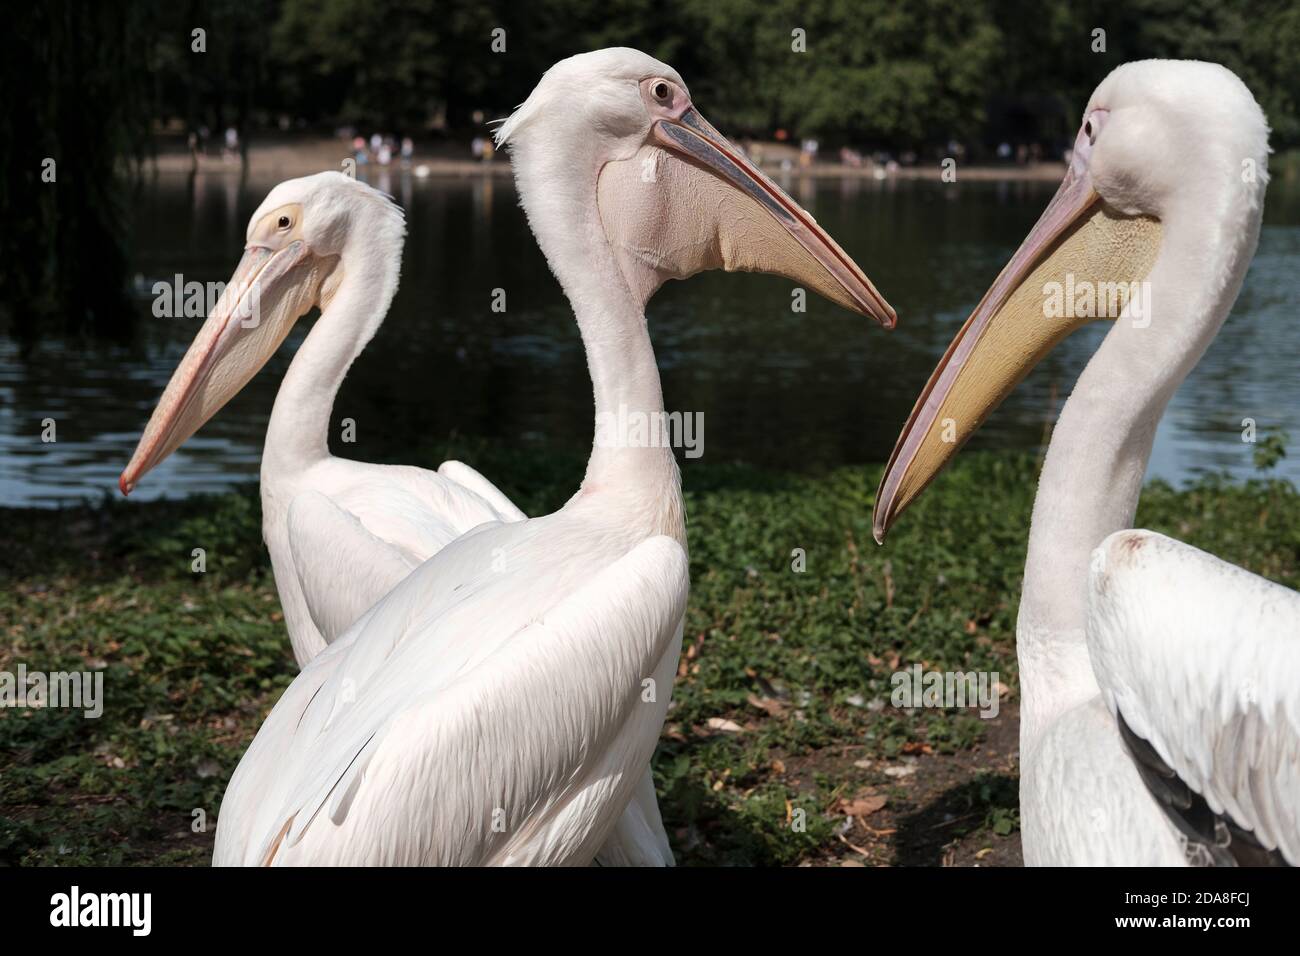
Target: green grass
[194, 661]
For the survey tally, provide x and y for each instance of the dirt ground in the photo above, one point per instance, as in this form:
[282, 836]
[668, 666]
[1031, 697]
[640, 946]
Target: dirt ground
[937, 807]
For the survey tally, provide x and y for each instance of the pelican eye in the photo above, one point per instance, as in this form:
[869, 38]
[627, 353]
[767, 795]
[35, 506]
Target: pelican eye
[660, 90]
[1087, 130]
[284, 222]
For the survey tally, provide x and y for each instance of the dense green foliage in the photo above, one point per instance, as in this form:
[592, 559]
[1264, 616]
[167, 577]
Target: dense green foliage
[871, 73]
[798, 664]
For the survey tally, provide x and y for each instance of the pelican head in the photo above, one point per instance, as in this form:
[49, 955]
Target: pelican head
[672, 196]
[1167, 150]
[300, 242]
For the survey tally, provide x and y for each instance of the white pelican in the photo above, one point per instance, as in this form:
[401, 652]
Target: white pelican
[1140, 658]
[500, 704]
[341, 533]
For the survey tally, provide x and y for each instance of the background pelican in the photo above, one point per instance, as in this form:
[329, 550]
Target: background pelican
[340, 533]
[1148, 659]
[502, 702]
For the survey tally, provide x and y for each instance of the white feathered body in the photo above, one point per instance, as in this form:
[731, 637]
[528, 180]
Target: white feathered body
[1201, 659]
[493, 709]
[342, 534]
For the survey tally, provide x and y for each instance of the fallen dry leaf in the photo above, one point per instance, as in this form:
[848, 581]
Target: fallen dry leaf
[863, 805]
[769, 705]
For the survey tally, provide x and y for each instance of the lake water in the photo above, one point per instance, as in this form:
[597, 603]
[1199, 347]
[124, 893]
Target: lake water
[777, 389]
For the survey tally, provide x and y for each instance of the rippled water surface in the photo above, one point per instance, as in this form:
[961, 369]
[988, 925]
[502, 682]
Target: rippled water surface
[777, 389]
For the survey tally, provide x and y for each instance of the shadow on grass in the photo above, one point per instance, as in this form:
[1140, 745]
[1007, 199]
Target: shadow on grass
[990, 800]
[704, 831]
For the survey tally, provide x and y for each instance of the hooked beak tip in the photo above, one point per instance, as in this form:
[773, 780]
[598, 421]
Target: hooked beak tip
[125, 486]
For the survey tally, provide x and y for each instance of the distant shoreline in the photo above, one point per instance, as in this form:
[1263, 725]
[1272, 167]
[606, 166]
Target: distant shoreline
[284, 161]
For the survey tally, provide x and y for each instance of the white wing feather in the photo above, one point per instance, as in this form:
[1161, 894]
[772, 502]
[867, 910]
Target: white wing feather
[359, 529]
[1202, 659]
[409, 764]
[339, 581]
[465, 476]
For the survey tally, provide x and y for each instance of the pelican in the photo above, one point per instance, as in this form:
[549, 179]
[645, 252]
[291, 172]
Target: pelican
[340, 533]
[500, 704]
[1160, 721]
